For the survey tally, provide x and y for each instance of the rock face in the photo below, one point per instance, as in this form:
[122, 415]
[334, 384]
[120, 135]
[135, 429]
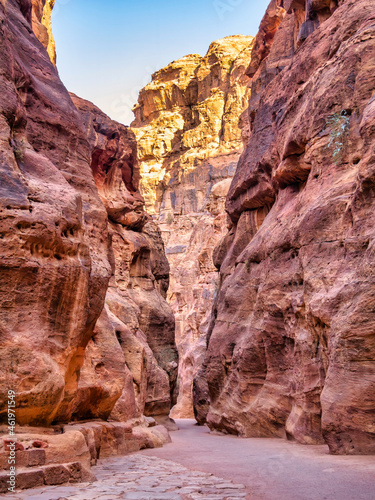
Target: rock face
[85, 328]
[189, 126]
[54, 242]
[188, 113]
[135, 333]
[292, 345]
[86, 332]
[42, 25]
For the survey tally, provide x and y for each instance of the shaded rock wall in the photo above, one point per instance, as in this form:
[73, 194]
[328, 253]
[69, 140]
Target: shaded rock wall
[131, 361]
[85, 329]
[54, 241]
[189, 126]
[292, 346]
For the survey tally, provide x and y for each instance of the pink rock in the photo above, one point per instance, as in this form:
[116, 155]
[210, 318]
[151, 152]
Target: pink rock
[291, 346]
[39, 444]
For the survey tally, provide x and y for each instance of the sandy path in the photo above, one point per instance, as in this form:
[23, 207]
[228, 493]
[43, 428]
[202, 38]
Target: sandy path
[273, 469]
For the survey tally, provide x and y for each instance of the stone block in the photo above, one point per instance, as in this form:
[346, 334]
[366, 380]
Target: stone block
[56, 474]
[79, 473]
[29, 478]
[36, 457]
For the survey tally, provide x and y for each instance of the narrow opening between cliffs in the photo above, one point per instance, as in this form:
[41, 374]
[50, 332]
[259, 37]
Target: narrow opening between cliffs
[186, 271]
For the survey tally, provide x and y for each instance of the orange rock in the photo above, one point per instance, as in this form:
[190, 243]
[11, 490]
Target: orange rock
[54, 241]
[190, 123]
[130, 364]
[69, 185]
[42, 25]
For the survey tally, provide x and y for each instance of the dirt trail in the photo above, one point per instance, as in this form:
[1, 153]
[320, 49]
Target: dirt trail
[273, 469]
[199, 465]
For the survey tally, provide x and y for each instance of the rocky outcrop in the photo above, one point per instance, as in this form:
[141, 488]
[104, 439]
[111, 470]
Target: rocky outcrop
[54, 242]
[291, 348]
[133, 340]
[42, 25]
[190, 112]
[85, 330]
[189, 126]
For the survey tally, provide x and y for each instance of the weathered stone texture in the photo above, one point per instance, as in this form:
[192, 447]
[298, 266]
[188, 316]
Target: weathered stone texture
[292, 345]
[71, 221]
[54, 241]
[189, 112]
[131, 361]
[190, 123]
[42, 25]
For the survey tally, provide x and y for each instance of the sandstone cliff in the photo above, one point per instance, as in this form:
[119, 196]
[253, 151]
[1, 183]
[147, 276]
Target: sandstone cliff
[135, 333]
[54, 237]
[291, 348]
[42, 25]
[86, 332]
[189, 126]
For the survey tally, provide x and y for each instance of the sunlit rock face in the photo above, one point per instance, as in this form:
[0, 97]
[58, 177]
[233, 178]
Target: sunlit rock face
[190, 111]
[130, 366]
[42, 25]
[189, 126]
[54, 241]
[292, 346]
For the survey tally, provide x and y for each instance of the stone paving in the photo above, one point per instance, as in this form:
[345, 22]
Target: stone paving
[139, 477]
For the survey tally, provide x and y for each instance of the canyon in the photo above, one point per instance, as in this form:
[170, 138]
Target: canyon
[190, 125]
[87, 335]
[214, 260]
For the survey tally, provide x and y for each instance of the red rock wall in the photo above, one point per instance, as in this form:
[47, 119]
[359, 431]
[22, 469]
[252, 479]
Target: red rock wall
[54, 240]
[190, 126]
[292, 345]
[130, 366]
[71, 224]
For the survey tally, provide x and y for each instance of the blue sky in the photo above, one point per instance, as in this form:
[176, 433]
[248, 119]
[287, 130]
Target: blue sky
[107, 50]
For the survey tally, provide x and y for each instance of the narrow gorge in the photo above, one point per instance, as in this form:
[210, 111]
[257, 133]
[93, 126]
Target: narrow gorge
[213, 261]
[190, 126]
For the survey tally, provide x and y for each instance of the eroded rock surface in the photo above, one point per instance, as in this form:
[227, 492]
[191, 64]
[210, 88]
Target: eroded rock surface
[86, 332]
[54, 242]
[131, 361]
[42, 25]
[54, 456]
[190, 112]
[291, 350]
[189, 126]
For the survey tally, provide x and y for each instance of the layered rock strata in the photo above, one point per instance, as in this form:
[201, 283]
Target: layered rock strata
[135, 333]
[54, 242]
[85, 330]
[291, 348]
[189, 126]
